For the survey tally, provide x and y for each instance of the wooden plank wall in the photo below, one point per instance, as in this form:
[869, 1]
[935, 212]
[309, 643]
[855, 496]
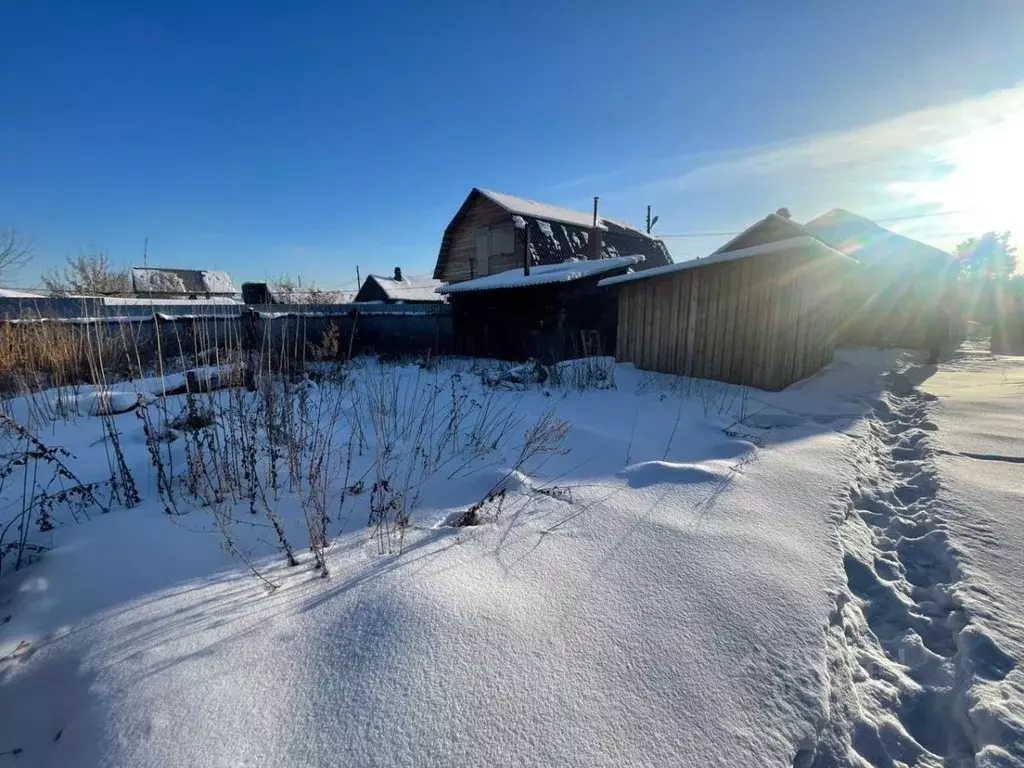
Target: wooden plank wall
[765, 322]
[462, 252]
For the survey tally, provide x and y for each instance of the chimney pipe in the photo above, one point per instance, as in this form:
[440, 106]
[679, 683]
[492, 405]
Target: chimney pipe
[594, 238]
[398, 274]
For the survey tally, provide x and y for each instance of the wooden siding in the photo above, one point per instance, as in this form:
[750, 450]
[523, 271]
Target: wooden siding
[462, 251]
[766, 321]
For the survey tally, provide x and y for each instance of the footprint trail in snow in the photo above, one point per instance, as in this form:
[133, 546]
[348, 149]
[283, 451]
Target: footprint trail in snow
[901, 652]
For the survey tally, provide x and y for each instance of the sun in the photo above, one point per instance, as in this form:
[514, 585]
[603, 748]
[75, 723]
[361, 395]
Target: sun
[981, 185]
[988, 173]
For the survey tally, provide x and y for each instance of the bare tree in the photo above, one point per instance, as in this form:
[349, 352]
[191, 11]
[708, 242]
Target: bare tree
[288, 290]
[15, 252]
[88, 274]
[990, 256]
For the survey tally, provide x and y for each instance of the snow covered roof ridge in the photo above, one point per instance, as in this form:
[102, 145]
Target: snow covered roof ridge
[720, 257]
[788, 226]
[523, 206]
[839, 213]
[544, 274]
[409, 288]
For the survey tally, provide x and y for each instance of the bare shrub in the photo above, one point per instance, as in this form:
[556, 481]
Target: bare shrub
[37, 354]
[15, 252]
[584, 373]
[275, 440]
[49, 490]
[88, 274]
[545, 438]
[289, 290]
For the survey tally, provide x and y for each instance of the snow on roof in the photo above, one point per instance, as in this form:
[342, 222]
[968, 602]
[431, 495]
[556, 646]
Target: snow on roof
[218, 282]
[13, 293]
[412, 288]
[548, 273]
[184, 281]
[526, 207]
[725, 256]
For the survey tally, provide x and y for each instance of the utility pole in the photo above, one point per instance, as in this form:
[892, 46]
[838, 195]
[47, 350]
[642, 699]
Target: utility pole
[145, 252]
[650, 222]
[359, 280]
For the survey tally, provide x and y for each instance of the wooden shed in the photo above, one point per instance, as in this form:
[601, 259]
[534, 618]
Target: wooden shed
[555, 312]
[763, 315]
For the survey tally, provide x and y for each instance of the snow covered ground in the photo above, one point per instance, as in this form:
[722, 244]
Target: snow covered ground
[979, 449]
[925, 639]
[707, 576]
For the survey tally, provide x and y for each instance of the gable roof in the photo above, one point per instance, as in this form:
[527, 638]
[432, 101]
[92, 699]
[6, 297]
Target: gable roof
[804, 242]
[183, 281]
[557, 234]
[772, 228]
[412, 288]
[525, 207]
[543, 275]
[872, 244]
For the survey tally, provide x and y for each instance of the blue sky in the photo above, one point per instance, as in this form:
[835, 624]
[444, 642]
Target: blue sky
[310, 138]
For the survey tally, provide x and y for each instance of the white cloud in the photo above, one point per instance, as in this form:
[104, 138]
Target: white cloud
[963, 161]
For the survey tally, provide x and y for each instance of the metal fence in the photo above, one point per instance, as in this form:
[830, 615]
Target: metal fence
[361, 328]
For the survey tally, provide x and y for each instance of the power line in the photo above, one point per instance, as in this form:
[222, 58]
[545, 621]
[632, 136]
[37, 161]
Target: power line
[877, 221]
[926, 215]
[698, 234]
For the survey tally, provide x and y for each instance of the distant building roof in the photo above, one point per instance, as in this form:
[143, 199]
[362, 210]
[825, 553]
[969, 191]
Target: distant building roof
[870, 243]
[557, 234]
[402, 288]
[720, 257]
[772, 228]
[181, 281]
[544, 274]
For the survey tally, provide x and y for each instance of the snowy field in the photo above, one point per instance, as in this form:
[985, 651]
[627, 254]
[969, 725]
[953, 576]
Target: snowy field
[660, 572]
[979, 457]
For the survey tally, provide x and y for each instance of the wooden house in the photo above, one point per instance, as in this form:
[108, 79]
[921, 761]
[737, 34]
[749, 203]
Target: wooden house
[399, 289]
[521, 276]
[483, 239]
[760, 311]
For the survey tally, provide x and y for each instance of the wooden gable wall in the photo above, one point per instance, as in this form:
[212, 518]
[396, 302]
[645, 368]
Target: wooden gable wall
[461, 259]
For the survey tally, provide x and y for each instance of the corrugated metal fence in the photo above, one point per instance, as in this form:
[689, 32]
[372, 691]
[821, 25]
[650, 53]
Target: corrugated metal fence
[361, 328]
